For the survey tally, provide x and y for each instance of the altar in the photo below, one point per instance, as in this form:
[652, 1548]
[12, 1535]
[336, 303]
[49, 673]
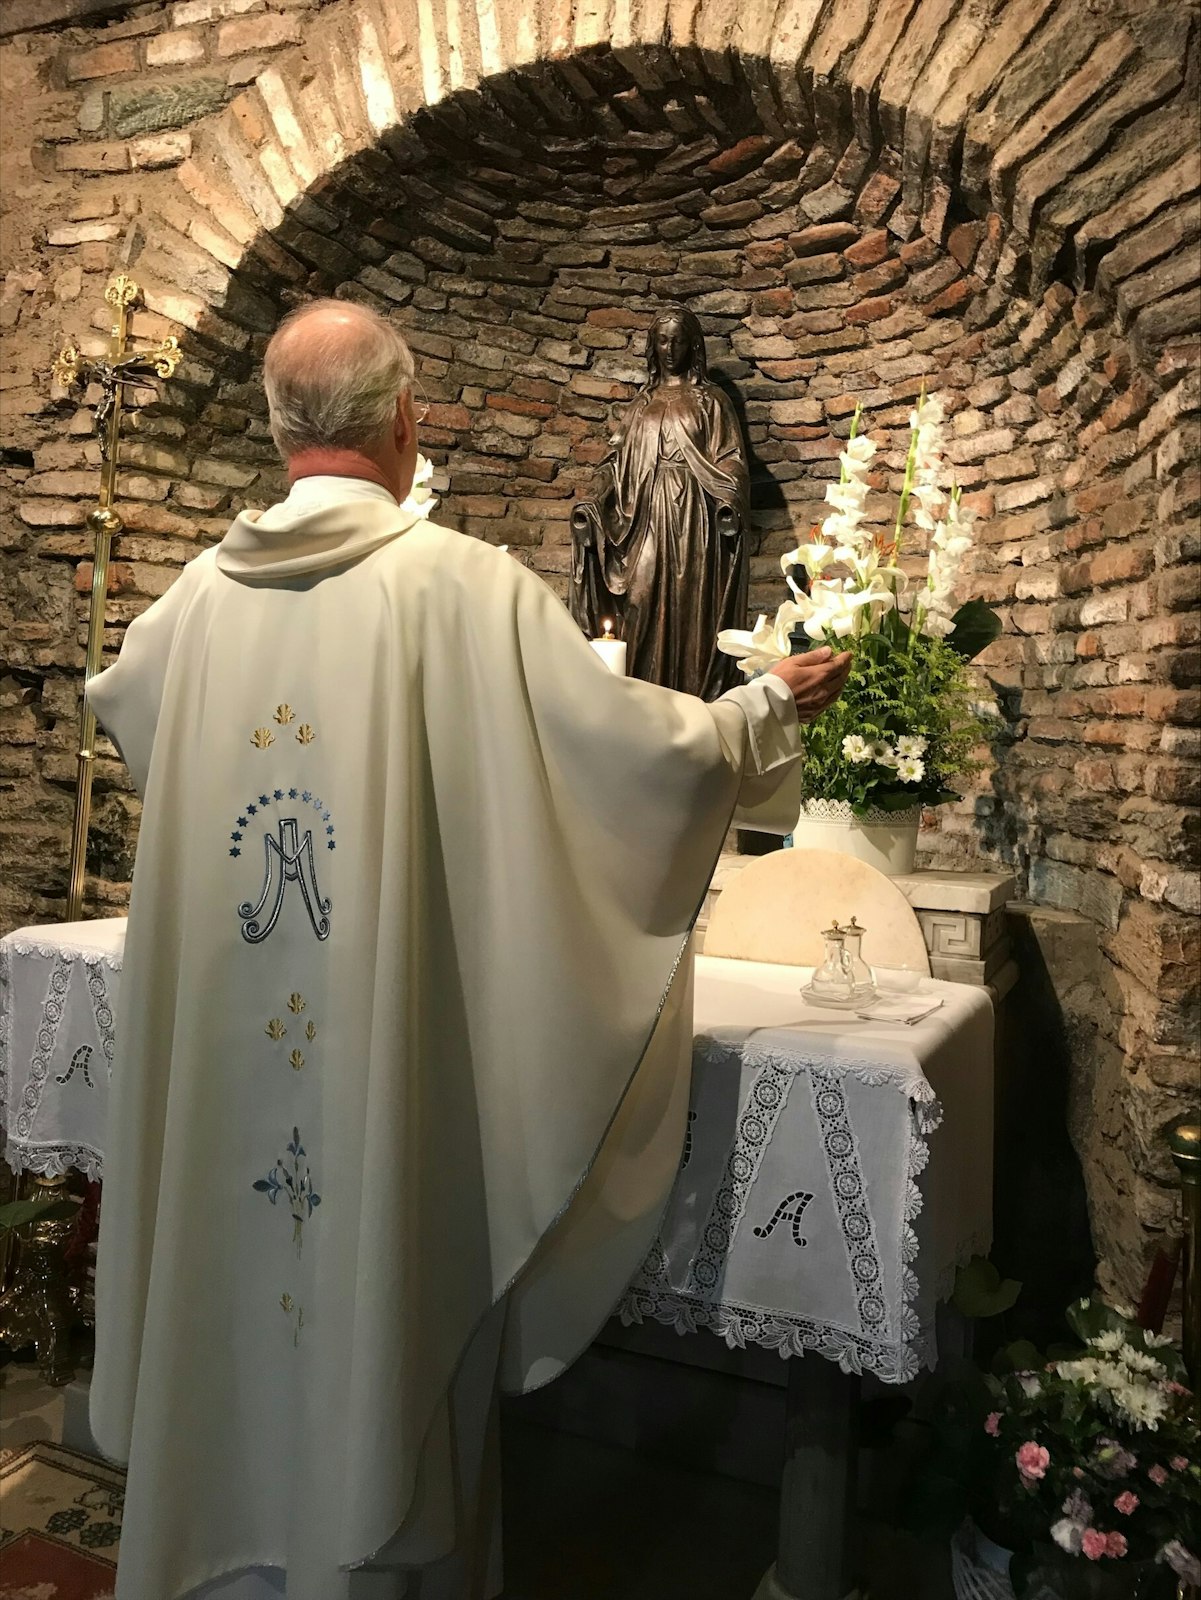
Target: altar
[836, 1170]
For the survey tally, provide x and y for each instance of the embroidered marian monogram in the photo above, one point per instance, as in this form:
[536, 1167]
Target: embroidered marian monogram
[289, 859]
[791, 1209]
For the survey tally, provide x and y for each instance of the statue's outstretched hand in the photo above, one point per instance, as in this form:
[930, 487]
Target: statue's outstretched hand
[816, 679]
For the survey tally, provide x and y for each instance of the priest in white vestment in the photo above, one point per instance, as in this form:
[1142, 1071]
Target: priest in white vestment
[405, 1033]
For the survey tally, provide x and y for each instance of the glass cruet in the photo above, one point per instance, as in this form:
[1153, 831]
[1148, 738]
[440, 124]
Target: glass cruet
[833, 984]
[865, 978]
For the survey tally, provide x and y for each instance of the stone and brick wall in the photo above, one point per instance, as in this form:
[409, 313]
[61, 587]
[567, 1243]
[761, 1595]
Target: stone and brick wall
[856, 201]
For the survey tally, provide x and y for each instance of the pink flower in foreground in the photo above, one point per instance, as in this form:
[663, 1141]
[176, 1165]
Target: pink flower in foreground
[1077, 1472]
[1033, 1460]
[1093, 1543]
[1115, 1544]
[1179, 1463]
[1126, 1503]
[992, 1423]
[1158, 1475]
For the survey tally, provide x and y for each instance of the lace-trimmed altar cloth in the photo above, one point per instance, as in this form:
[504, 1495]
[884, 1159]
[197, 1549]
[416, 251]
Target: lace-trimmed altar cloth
[835, 1172]
[808, 1215]
[58, 988]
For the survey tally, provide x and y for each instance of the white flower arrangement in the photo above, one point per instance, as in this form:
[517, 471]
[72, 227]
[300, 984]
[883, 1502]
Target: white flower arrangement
[905, 723]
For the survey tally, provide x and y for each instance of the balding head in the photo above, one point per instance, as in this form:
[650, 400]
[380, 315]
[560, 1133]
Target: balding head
[334, 372]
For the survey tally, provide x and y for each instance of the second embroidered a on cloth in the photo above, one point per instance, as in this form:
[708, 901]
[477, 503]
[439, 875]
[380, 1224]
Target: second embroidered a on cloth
[414, 877]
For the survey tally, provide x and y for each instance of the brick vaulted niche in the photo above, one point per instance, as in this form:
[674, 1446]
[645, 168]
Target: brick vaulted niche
[997, 200]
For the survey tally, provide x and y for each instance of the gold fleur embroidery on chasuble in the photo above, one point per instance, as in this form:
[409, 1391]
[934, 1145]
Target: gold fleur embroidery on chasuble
[305, 734]
[310, 1032]
[284, 714]
[287, 1303]
[262, 738]
[275, 1029]
[296, 1004]
[296, 1060]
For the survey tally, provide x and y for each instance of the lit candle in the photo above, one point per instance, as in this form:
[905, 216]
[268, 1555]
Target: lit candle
[611, 651]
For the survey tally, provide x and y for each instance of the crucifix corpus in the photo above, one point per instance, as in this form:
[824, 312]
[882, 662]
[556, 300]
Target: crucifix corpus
[120, 368]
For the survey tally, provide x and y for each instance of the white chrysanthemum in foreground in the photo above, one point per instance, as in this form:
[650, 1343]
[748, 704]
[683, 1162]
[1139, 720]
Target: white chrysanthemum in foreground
[910, 769]
[911, 744]
[1111, 1341]
[1140, 1361]
[856, 748]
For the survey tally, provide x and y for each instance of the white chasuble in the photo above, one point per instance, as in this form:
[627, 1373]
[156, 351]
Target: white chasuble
[414, 877]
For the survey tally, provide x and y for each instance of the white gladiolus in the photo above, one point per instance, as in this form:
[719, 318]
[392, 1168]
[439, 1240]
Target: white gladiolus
[910, 769]
[856, 748]
[950, 541]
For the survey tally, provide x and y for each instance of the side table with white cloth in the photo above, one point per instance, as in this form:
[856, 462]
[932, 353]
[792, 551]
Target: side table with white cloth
[836, 1171]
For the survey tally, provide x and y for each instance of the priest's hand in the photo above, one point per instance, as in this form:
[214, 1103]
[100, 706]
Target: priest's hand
[816, 680]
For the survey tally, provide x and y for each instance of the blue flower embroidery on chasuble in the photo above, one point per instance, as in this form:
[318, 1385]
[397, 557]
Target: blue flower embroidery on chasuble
[290, 1176]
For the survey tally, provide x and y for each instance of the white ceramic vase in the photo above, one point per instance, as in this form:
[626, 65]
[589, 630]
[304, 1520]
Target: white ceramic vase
[887, 840]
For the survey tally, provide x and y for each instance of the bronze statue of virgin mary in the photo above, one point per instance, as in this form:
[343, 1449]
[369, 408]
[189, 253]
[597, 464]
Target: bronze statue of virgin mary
[663, 549]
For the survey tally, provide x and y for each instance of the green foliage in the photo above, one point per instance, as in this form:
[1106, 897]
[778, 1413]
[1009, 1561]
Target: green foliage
[975, 626]
[980, 1290]
[900, 683]
[20, 1213]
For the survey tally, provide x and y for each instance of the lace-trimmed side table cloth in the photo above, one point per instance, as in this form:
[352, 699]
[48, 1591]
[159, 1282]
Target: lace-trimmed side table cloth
[58, 993]
[808, 1215]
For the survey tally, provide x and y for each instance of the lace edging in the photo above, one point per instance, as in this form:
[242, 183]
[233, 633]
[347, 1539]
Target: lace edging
[740, 1326]
[56, 1161]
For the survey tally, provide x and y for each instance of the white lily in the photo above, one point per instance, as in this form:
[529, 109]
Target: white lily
[421, 498]
[767, 643]
[815, 558]
[839, 611]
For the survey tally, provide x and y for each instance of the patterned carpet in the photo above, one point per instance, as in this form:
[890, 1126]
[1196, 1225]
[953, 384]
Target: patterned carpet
[60, 1523]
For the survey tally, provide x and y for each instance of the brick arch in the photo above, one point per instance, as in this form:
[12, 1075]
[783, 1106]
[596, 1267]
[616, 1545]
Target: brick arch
[1061, 131]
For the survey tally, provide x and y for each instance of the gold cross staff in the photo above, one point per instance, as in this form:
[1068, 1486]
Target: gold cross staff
[121, 367]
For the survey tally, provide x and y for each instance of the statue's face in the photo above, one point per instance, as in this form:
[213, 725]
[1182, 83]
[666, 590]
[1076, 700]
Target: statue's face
[673, 346]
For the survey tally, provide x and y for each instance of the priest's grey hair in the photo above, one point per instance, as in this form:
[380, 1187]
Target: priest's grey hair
[333, 373]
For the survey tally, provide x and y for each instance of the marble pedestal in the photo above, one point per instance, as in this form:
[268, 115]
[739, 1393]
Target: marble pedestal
[962, 917]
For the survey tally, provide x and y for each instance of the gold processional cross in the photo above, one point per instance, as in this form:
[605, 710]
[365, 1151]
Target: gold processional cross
[120, 368]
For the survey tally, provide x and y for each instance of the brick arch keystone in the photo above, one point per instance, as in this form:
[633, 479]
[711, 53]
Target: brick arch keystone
[1066, 129]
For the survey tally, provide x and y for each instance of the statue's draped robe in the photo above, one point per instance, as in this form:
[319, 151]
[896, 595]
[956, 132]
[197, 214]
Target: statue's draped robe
[414, 876]
[658, 552]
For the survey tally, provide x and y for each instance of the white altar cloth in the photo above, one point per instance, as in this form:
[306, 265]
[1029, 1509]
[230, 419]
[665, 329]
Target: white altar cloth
[808, 1214]
[58, 991]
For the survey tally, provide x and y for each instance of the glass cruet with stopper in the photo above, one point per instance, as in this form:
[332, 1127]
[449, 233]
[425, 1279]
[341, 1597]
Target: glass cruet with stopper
[865, 978]
[833, 984]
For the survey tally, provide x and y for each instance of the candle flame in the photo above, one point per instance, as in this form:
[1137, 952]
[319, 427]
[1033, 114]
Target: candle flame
[607, 625]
